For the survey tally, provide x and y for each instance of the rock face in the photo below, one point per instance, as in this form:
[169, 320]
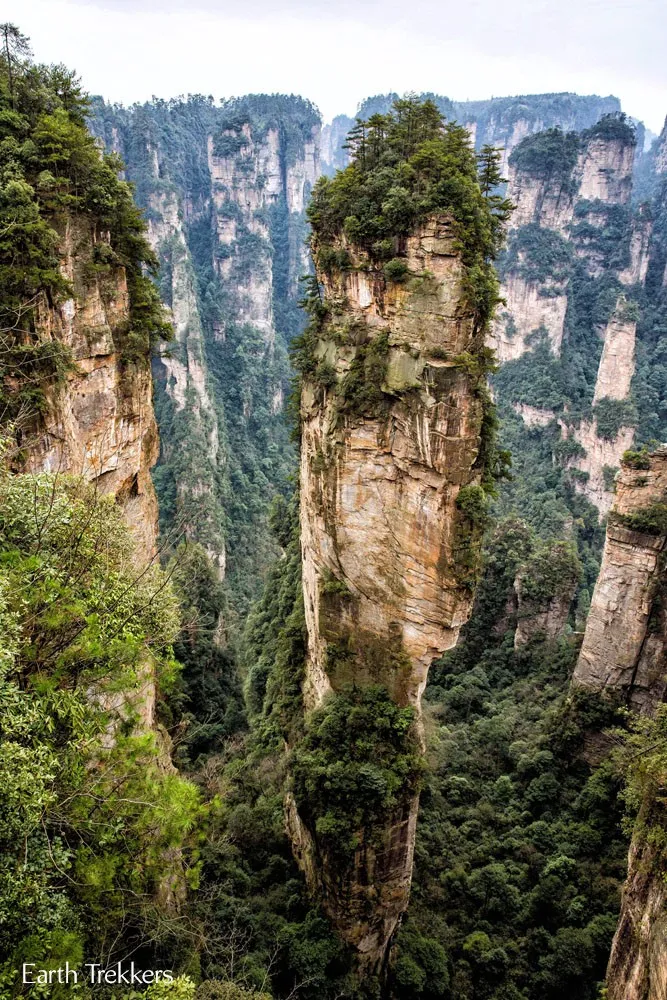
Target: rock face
[502, 122]
[661, 152]
[617, 364]
[100, 424]
[224, 189]
[382, 537]
[637, 967]
[543, 618]
[182, 372]
[556, 249]
[624, 655]
[624, 652]
[598, 461]
[531, 307]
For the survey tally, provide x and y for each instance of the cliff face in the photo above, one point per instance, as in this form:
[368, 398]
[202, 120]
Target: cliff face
[601, 174]
[624, 655]
[224, 189]
[100, 422]
[575, 243]
[384, 543]
[637, 967]
[624, 652]
[183, 376]
[502, 122]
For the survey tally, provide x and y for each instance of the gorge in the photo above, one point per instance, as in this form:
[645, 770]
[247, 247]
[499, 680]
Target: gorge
[366, 713]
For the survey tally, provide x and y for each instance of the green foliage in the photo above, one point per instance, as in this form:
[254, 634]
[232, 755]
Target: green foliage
[473, 502]
[406, 165]
[52, 177]
[537, 254]
[395, 269]
[215, 989]
[93, 818]
[637, 459]
[549, 155]
[551, 571]
[361, 390]
[652, 520]
[275, 641]
[609, 477]
[293, 117]
[611, 415]
[519, 855]
[641, 757]
[207, 698]
[358, 762]
[614, 126]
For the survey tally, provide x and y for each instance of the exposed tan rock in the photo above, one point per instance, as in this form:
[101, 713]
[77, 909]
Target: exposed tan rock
[640, 242]
[637, 967]
[252, 179]
[185, 376]
[545, 619]
[604, 171]
[548, 203]
[599, 453]
[617, 364]
[379, 520]
[661, 152]
[531, 307]
[532, 416]
[100, 424]
[624, 651]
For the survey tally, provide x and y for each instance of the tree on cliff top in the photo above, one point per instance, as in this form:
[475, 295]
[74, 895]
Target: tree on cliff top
[407, 165]
[51, 170]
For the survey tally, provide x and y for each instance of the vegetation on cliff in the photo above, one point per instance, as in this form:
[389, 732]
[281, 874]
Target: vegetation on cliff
[405, 166]
[520, 851]
[51, 172]
[222, 500]
[519, 855]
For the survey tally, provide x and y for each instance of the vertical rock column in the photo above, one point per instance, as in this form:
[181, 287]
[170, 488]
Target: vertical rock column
[624, 652]
[391, 429]
[100, 424]
[624, 655]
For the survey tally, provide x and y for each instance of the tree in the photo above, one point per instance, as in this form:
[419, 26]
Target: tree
[489, 169]
[16, 45]
[490, 178]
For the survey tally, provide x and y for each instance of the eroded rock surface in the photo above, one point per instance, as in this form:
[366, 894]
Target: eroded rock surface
[624, 652]
[100, 424]
[384, 543]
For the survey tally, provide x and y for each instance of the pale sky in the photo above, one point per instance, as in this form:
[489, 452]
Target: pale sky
[340, 51]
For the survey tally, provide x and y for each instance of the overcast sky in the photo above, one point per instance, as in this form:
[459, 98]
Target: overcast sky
[336, 52]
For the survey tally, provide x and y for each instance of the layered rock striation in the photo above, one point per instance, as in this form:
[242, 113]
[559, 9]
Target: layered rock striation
[224, 189]
[637, 967]
[624, 658]
[577, 256]
[624, 652]
[391, 430]
[98, 420]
